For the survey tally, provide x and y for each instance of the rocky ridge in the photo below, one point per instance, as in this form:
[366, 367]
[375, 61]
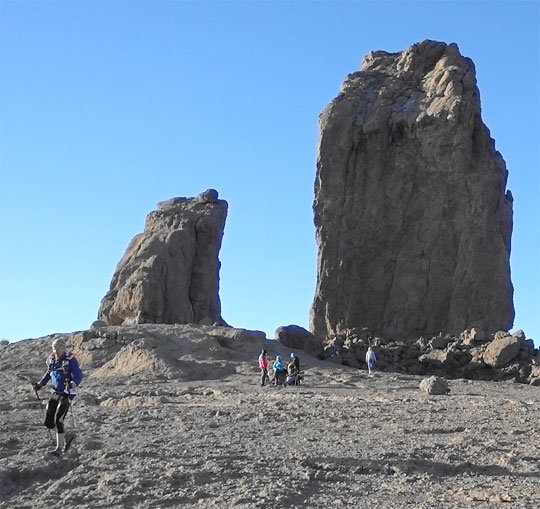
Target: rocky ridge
[471, 354]
[173, 416]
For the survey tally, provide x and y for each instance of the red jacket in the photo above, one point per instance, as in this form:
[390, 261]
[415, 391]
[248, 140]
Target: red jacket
[263, 362]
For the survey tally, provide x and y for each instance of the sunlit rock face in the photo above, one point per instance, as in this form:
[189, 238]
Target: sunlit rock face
[170, 272]
[413, 219]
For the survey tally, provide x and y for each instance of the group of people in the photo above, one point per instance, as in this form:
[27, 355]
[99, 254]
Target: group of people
[283, 375]
[290, 374]
[64, 372]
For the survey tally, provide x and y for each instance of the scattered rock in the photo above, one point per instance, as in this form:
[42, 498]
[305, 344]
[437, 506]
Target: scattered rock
[440, 342]
[434, 385]
[470, 336]
[437, 358]
[502, 350]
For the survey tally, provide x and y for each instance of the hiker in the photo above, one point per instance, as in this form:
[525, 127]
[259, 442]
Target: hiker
[295, 362]
[293, 371]
[263, 365]
[63, 369]
[279, 371]
[371, 359]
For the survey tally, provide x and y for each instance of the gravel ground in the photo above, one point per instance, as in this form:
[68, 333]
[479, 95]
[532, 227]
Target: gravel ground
[340, 440]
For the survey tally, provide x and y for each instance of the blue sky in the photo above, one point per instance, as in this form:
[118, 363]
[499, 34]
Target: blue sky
[108, 107]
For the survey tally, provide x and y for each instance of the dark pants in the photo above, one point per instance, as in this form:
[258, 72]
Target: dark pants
[57, 408]
[264, 376]
[279, 377]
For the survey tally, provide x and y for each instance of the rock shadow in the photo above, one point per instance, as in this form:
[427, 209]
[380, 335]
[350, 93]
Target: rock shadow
[413, 466]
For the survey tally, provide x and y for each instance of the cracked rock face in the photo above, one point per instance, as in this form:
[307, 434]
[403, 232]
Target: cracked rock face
[412, 216]
[170, 272]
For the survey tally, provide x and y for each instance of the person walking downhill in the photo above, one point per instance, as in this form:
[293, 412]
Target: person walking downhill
[65, 373]
[371, 359]
[263, 365]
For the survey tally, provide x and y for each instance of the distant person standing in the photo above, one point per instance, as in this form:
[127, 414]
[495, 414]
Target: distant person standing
[295, 363]
[65, 373]
[263, 365]
[279, 371]
[371, 359]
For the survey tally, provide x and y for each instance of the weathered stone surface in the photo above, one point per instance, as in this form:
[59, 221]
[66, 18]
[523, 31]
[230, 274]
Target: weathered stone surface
[437, 358]
[170, 273]
[502, 350]
[470, 336]
[434, 385]
[297, 337]
[440, 341]
[413, 220]
[423, 356]
[519, 334]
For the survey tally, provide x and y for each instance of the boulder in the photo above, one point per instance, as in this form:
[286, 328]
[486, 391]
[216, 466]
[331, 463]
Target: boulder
[470, 336]
[519, 334]
[440, 342]
[437, 358]
[502, 350]
[332, 354]
[473, 365]
[434, 385]
[170, 272]
[298, 338]
[413, 219]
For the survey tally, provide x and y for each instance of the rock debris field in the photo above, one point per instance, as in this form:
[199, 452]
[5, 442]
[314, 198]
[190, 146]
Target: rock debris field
[174, 416]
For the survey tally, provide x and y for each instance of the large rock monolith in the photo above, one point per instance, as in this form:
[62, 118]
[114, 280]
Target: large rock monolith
[412, 216]
[170, 272]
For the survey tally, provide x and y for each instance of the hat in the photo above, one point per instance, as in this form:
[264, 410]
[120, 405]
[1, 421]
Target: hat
[59, 344]
[278, 358]
[293, 354]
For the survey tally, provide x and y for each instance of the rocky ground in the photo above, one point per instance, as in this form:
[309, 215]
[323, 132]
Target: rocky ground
[174, 416]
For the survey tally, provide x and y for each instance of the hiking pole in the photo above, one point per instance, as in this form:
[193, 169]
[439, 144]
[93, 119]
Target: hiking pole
[43, 413]
[69, 442]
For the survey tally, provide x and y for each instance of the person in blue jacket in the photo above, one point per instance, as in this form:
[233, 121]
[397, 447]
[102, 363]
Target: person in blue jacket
[279, 372]
[64, 372]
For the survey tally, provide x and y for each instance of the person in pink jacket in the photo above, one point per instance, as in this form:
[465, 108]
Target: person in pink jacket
[263, 365]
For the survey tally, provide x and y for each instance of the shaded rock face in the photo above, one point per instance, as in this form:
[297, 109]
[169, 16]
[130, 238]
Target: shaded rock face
[412, 216]
[170, 272]
[296, 337]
